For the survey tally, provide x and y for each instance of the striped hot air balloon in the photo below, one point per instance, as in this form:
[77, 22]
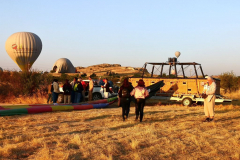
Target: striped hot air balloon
[24, 48]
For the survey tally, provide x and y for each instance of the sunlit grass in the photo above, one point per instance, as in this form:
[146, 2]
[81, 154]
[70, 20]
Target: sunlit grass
[167, 132]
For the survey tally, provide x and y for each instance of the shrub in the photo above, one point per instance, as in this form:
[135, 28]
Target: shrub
[84, 75]
[93, 75]
[24, 83]
[229, 81]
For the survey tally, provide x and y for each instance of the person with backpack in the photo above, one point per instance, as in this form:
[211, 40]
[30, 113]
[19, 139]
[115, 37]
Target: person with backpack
[78, 88]
[125, 98]
[140, 93]
[67, 88]
[55, 91]
[73, 93]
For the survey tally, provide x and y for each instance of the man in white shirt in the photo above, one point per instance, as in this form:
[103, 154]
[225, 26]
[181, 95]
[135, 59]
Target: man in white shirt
[209, 102]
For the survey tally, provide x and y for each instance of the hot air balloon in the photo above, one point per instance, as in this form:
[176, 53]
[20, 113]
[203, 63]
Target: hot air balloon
[177, 54]
[63, 65]
[24, 48]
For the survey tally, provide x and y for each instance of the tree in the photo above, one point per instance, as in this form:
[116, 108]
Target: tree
[84, 75]
[229, 81]
[93, 75]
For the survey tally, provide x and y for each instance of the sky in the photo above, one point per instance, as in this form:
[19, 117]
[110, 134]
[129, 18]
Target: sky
[127, 32]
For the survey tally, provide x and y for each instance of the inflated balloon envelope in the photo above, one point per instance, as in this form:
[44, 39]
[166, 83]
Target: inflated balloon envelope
[24, 48]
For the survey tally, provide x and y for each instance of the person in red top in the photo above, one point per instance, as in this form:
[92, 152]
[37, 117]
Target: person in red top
[140, 93]
[84, 90]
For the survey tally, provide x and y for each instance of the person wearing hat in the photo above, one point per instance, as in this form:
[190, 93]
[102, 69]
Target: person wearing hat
[140, 93]
[78, 88]
[209, 101]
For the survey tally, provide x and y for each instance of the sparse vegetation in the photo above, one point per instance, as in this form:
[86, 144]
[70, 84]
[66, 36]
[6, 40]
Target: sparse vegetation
[167, 132]
[26, 87]
[229, 81]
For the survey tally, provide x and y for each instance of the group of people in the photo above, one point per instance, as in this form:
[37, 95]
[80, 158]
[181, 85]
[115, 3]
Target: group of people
[140, 92]
[73, 92]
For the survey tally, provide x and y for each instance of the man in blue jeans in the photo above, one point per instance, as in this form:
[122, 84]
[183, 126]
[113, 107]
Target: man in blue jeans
[78, 88]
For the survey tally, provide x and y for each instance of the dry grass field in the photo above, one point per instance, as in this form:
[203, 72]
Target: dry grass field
[167, 132]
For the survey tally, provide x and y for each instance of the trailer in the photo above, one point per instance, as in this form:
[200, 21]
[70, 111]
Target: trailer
[187, 90]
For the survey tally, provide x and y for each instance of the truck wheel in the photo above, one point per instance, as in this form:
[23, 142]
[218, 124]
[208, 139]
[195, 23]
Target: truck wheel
[60, 98]
[96, 96]
[187, 102]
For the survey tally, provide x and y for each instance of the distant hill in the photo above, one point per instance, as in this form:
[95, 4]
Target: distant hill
[109, 69]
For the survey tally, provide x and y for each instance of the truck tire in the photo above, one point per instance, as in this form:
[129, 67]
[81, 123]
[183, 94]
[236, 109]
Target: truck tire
[96, 96]
[60, 98]
[187, 102]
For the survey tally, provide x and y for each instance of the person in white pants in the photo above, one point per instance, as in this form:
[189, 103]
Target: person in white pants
[209, 102]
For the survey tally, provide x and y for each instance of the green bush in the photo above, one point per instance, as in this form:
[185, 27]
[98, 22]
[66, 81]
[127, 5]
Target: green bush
[229, 81]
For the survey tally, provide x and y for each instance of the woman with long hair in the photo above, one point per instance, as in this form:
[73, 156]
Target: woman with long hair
[140, 92]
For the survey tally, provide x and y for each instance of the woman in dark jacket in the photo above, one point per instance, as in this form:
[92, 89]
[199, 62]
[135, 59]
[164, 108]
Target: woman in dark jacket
[125, 98]
[67, 88]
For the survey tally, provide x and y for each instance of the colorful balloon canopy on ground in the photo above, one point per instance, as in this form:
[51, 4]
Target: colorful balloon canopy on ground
[9, 110]
[24, 48]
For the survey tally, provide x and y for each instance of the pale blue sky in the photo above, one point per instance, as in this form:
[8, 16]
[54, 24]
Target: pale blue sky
[127, 32]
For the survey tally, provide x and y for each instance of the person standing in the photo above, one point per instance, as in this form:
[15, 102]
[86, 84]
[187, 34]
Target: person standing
[106, 88]
[125, 98]
[90, 89]
[67, 88]
[209, 101]
[73, 92]
[84, 89]
[78, 88]
[140, 93]
[50, 90]
[100, 82]
[110, 86]
[55, 91]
